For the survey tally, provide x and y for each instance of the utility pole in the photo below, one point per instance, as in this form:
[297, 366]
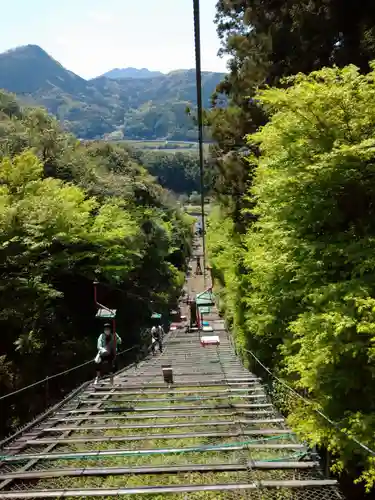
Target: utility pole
[198, 72]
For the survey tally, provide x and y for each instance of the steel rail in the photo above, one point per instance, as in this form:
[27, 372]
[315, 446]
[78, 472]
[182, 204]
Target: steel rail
[174, 397]
[172, 390]
[148, 451]
[171, 469]
[100, 492]
[164, 416]
[169, 408]
[147, 437]
[177, 385]
[171, 425]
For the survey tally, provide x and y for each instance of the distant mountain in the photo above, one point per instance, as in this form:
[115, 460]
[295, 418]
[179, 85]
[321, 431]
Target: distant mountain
[29, 68]
[131, 73]
[134, 108]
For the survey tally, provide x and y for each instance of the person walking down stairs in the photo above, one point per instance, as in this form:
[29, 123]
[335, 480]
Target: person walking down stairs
[198, 270]
[106, 352]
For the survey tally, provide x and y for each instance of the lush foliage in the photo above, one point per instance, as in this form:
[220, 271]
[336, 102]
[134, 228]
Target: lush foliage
[266, 41]
[277, 39]
[300, 283]
[72, 213]
[135, 108]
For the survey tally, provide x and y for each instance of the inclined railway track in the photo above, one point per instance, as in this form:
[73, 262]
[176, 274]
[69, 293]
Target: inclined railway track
[213, 434]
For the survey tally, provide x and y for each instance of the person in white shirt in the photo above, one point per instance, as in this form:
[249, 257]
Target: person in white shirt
[157, 334]
[106, 352]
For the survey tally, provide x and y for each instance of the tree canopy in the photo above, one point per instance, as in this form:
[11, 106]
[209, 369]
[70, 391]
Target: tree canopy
[72, 213]
[299, 290]
[267, 41]
[290, 237]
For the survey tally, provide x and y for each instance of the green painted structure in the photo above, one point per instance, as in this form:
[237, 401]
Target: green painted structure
[106, 313]
[204, 302]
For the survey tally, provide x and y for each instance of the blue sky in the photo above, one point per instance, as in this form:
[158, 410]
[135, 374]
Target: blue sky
[90, 37]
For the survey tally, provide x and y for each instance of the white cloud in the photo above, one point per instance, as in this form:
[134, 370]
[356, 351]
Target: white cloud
[101, 16]
[105, 35]
[63, 41]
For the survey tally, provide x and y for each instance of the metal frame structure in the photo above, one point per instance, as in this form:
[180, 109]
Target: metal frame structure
[215, 421]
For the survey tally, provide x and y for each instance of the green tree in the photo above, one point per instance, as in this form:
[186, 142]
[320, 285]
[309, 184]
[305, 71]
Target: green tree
[266, 41]
[310, 255]
[72, 213]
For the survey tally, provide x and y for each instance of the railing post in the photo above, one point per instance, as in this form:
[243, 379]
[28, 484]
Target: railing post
[46, 393]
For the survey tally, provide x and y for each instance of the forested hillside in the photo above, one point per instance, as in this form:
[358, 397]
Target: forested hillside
[178, 171]
[135, 108]
[291, 238]
[72, 213]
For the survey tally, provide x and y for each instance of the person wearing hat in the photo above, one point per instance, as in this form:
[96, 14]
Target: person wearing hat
[106, 351]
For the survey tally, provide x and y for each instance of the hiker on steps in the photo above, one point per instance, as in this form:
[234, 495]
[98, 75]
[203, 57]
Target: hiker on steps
[106, 352]
[157, 334]
[198, 270]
